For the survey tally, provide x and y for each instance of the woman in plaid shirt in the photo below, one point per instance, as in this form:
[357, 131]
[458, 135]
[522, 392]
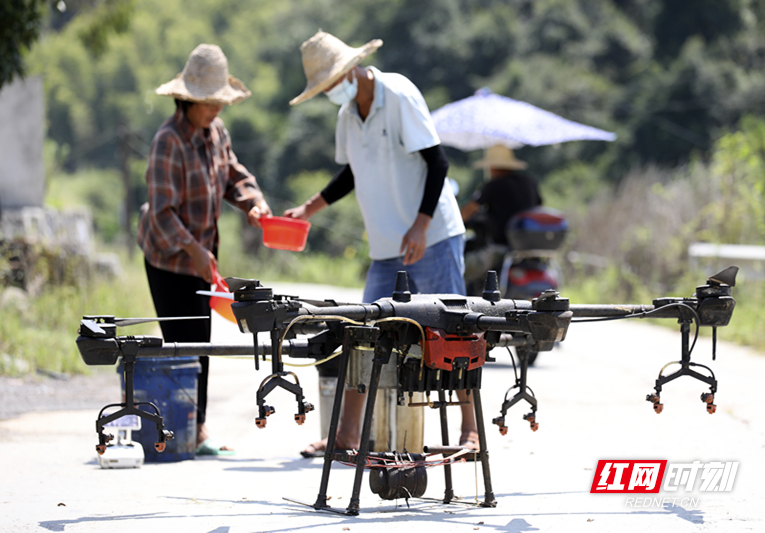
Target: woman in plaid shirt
[191, 169]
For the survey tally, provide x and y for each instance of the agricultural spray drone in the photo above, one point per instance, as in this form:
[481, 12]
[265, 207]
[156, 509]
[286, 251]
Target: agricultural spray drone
[438, 343]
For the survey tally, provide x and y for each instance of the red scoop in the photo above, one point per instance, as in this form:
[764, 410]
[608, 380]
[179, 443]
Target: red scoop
[222, 306]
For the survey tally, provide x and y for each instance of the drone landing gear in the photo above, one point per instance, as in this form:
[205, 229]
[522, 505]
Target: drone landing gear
[686, 369]
[276, 379]
[269, 384]
[383, 345]
[524, 393]
[130, 407]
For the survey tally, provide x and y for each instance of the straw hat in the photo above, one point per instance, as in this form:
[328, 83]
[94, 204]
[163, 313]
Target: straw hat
[205, 79]
[325, 59]
[499, 156]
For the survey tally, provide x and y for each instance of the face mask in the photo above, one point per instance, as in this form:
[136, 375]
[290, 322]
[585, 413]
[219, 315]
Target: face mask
[343, 92]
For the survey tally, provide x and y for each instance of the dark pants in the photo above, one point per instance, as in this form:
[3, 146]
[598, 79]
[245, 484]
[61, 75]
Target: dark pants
[176, 295]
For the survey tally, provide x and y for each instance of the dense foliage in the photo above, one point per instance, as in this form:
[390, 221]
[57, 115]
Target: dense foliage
[19, 28]
[670, 77]
[667, 76]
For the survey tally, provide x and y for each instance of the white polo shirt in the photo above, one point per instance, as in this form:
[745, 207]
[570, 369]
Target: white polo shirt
[389, 173]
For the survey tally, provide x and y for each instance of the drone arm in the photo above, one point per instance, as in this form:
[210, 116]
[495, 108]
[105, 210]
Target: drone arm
[100, 351]
[607, 311]
[357, 312]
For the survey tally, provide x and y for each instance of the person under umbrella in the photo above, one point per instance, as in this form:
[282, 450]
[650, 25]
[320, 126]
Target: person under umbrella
[508, 191]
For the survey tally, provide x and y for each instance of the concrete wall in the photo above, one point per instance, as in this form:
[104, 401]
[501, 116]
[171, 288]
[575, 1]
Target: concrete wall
[22, 132]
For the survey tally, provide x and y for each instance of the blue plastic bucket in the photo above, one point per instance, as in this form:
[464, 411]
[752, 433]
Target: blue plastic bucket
[170, 383]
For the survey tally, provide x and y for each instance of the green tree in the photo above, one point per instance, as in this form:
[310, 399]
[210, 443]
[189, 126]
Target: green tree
[19, 27]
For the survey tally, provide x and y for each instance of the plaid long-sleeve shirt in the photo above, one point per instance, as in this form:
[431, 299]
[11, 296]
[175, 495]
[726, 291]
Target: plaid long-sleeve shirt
[188, 174]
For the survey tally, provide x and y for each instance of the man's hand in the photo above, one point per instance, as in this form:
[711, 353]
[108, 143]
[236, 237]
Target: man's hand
[415, 241]
[298, 212]
[203, 260]
[260, 209]
[305, 211]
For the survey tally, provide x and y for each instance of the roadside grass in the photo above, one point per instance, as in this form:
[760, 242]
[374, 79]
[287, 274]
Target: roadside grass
[612, 286]
[38, 333]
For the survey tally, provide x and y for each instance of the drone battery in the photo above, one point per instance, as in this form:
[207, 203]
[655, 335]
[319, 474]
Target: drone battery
[453, 352]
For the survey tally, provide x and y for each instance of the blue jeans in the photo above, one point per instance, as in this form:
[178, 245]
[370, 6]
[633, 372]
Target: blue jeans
[440, 271]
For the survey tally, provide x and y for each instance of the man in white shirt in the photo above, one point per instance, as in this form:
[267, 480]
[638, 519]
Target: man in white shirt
[391, 155]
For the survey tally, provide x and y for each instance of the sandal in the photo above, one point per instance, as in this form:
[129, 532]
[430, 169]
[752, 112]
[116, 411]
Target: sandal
[314, 450]
[210, 447]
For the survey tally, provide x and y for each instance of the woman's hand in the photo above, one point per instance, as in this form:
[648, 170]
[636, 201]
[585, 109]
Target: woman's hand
[202, 260]
[260, 209]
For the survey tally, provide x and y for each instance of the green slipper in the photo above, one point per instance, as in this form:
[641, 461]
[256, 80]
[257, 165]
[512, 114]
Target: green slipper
[210, 447]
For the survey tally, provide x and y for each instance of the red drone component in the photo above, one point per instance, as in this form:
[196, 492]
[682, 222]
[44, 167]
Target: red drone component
[453, 352]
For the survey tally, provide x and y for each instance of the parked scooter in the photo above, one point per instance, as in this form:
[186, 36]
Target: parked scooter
[527, 266]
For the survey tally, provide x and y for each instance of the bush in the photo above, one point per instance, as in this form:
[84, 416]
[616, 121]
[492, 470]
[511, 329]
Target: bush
[632, 240]
[41, 330]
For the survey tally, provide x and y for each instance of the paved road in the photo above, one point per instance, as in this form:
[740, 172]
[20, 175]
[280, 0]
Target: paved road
[591, 392]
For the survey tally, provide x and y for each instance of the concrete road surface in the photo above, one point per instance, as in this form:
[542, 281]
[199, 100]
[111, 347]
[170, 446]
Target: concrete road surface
[592, 407]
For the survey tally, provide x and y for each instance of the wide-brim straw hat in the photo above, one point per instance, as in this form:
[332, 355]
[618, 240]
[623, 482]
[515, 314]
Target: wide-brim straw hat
[205, 79]
[325, 59]
[499, 156]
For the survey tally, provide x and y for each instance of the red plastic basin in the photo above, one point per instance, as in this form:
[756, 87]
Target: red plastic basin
[283, 233]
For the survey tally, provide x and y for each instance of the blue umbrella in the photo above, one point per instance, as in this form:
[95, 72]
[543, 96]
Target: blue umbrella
[487, 119]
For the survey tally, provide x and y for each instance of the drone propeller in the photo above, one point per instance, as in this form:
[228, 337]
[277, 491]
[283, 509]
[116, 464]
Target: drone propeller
[725, 277]
[226, 295]
[93, 325]
[235, 284]
[314, 303]
[134, 321]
